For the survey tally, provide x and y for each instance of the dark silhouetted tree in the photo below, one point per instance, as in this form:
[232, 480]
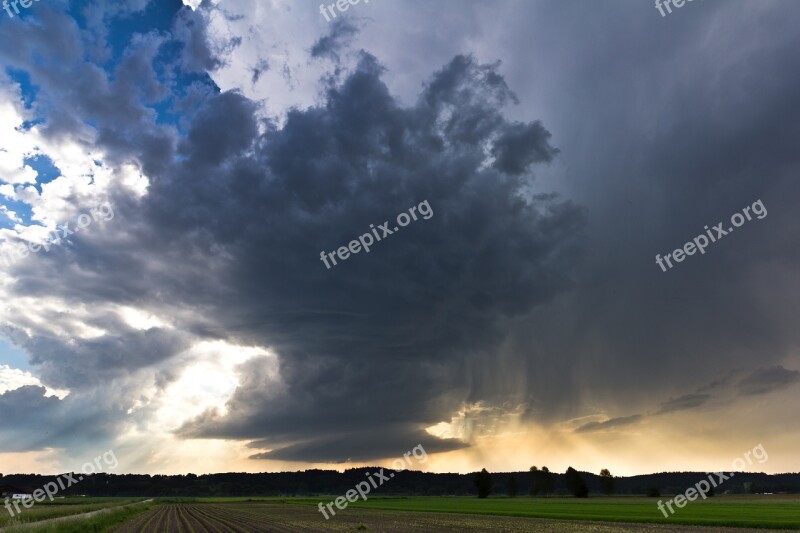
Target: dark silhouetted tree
[606, 481]
[653, 492]
[548, 483]
[575, 484]
[511, 488]
[536, 481]
[483, 482]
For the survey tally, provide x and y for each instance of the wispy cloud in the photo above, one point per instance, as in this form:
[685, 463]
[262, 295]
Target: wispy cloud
[687, 401]
[766, 380]
[611, 423]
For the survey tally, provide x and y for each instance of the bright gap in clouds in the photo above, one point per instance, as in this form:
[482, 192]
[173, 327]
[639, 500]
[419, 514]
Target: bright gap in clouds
[141, 320]
[207, 382]
[208, 374]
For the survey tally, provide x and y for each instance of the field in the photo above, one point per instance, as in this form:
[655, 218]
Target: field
[279, 517]
[58, 508]
[775, 511]
[456, 514]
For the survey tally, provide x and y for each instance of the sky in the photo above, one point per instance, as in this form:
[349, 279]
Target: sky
[600, 272]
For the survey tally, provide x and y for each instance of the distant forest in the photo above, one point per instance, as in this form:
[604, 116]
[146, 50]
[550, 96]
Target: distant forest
[314, 482]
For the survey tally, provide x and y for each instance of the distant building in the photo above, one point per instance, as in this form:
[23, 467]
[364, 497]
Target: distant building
[14, 493]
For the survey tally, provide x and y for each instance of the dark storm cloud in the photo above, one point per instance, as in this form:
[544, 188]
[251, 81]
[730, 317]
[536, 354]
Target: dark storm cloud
[87, 363]
[231, 112]
[520, 146]
[359, 446]
[657, 145]
[33, 411]
[765, 380]
[376, 340]
[609, 424]
[42, 422]
[231, 231]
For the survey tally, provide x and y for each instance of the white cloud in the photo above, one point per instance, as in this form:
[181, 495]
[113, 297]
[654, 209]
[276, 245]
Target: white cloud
[15, 144]
[14, 378]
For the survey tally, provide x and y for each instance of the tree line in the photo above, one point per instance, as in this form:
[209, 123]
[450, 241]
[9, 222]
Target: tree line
[542, 483]
[536, 481]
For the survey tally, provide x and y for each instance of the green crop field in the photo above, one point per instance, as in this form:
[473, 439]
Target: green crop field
[768, 511]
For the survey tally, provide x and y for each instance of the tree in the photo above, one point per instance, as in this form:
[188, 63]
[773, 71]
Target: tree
[483, 482]
[575, 484]
[536, 481]
[548, 484]
[653, 492]
[606, 481]
[511, 489]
